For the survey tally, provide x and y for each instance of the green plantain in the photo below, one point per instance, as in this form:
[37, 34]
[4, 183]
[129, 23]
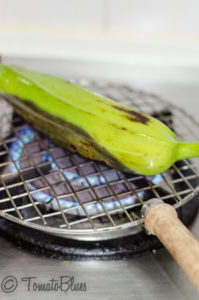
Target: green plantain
[92, 125]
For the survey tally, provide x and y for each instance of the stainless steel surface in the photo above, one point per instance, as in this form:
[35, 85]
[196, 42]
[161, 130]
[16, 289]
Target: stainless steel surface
[149, 204]
[153, 276]
[89, 226]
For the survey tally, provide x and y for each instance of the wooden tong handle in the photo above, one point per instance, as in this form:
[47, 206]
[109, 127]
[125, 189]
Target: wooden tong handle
[161, 220]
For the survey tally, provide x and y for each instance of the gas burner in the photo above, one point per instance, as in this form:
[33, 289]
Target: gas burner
[60, 204]
[24, 143]
[21, 155]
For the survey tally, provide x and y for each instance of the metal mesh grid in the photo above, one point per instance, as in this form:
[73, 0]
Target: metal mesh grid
[80, 195]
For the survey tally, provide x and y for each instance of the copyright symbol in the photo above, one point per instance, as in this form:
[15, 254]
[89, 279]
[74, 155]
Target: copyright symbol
[9, 284]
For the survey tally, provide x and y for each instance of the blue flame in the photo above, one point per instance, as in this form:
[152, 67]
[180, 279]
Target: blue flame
[25, 135]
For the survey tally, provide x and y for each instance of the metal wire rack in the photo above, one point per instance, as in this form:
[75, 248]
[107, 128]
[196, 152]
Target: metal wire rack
[51, 189]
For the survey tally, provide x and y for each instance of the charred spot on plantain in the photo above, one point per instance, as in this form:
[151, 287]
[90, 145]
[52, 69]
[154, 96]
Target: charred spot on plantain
[72, 147]
[123, 128]
[134, 116]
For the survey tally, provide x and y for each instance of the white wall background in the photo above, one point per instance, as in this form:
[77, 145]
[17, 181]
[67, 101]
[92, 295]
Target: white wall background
[111, 38]
[156, 17]
[153, 44]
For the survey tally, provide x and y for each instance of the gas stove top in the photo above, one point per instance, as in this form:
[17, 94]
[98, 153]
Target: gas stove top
[150, 276]
[153, 275]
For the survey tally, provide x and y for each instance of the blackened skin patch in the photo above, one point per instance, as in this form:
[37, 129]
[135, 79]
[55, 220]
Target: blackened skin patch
[134, 115]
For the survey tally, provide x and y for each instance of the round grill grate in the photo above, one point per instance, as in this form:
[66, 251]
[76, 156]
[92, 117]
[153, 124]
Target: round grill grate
[51, 189]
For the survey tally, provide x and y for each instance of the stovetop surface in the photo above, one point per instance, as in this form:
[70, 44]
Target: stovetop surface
[150, 276]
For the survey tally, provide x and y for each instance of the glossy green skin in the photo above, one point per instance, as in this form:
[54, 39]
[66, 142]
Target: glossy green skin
[92, 125]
